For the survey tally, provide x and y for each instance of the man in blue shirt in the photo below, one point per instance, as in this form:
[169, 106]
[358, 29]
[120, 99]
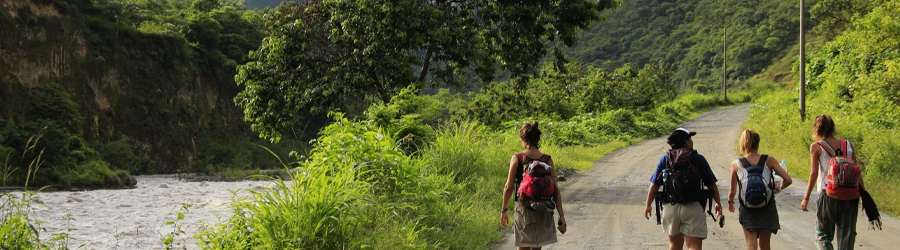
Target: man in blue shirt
[684, 221]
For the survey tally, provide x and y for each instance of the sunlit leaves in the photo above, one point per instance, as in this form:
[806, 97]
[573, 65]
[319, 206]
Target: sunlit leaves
[342, 54]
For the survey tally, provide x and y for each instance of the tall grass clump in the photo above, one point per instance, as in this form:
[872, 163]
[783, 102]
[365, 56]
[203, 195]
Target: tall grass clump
[17, 229]
[476, 161]
[355, 191]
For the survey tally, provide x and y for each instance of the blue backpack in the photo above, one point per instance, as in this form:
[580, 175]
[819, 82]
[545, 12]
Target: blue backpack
[755, 183]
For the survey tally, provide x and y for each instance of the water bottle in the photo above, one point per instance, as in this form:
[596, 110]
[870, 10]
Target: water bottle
[779, 181]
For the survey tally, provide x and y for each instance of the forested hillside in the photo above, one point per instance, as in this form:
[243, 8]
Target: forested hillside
[688, 35]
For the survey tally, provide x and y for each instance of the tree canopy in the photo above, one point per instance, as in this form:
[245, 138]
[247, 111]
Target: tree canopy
[323, 55]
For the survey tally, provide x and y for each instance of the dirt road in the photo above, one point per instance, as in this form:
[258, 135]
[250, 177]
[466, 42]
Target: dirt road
[604, 206]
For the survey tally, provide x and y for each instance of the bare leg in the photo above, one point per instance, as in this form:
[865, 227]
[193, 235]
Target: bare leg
[693, 243]
[676, 242]
[764, 239]
[750, 237]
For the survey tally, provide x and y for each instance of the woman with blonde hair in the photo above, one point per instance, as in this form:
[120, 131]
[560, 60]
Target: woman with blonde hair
[534, 228]
[759, 218]
[832, 213]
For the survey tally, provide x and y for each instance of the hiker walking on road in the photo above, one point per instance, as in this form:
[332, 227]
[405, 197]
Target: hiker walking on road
[838, 206]
[536, 195]
[683, 172]
[753, 181]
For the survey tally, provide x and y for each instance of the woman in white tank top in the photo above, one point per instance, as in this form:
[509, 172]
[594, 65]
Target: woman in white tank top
[834, 217]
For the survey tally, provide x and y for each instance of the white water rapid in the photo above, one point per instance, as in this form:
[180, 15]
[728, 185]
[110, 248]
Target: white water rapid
[136, 218]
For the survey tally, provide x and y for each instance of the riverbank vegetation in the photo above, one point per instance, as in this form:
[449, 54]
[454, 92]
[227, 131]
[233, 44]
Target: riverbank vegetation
[370, 186]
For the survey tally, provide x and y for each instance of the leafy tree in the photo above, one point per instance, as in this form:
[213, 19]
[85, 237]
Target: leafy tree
[322, 55]
[222, 30]
[563, 94]
[859, 70]
[627, 87]
[834, 16]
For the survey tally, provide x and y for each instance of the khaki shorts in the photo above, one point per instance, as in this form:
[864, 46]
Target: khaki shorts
[687, 218]
[533, 228]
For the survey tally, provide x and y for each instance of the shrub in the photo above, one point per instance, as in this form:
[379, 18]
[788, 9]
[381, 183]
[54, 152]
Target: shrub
[234, 155]
[65, 159]
[561, 95]
[120, 155]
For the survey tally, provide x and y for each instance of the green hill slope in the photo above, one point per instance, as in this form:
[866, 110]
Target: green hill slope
[689, 36]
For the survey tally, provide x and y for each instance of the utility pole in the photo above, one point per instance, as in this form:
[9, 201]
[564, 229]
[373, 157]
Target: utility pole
[802, 66]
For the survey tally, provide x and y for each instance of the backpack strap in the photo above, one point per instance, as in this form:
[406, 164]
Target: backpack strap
[844, 146]
[744, 162]
[822, 143]
[691, 163]
[520, 158]
[760, 162]
[545, 158]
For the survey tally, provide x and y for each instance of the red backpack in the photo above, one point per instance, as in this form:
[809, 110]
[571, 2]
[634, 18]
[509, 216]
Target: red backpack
[536, 190]
[842, 181]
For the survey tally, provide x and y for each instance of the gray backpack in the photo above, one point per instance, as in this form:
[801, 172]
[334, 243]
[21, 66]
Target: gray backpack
[755, 183]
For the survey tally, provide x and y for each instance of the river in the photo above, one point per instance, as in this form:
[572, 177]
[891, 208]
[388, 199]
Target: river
[136, 218]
